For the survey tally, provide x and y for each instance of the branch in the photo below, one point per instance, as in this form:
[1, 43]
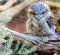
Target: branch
[17, 9]
[7, 5]
[51, 44]
[12, 12]
[53, 4]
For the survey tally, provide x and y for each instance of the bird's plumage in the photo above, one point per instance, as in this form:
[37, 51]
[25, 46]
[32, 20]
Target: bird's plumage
[40, 19]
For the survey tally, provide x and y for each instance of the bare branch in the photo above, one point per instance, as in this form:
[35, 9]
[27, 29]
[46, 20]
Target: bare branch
[7, 5]
[53, 4]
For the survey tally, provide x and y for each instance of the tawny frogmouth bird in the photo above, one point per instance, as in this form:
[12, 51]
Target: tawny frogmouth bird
[40, 20]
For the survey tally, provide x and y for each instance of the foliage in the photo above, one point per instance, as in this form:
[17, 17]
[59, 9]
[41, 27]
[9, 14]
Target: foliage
[5, 17]
[3, 1]
[21, 0]
[14, 48]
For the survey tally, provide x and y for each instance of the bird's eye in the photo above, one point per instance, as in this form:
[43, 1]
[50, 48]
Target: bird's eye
[33, 13]
[43, 12]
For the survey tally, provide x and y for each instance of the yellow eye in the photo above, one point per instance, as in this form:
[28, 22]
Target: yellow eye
[33, 13]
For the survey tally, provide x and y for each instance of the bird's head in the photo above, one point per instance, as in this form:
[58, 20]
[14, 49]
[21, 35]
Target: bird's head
[39, 10]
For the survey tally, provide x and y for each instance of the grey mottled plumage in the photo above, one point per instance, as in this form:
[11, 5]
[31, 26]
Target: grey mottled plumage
[40, 20]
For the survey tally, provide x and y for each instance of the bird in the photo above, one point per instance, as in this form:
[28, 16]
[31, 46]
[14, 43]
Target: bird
[40, 20]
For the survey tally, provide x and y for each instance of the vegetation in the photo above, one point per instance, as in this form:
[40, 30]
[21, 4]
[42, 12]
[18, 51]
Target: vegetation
[11, 47]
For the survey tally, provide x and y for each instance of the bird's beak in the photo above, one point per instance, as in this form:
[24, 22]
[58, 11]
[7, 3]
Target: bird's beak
[40, 16]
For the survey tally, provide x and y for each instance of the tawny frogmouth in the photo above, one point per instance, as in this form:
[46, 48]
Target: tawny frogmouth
[40, 20]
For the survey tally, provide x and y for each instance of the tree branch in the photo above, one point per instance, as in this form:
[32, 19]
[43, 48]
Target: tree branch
[7, 5]
[12, 12]
[49, 45]
[53, 4]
